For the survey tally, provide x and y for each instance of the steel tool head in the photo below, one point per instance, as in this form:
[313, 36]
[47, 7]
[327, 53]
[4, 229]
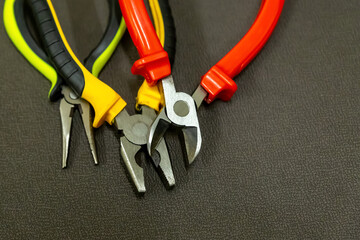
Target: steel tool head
[66, 113]
[67, 107]
[179, 111]
[164, 167]
[135, 130]
[199, 96]
[128, 152]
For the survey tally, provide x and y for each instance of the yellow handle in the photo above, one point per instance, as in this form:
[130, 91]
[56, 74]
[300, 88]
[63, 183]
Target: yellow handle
[105, 101]
[152, 96]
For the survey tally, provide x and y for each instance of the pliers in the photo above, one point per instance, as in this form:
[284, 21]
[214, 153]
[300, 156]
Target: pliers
[107, 104]
[17, 29]
[148, 102]
[180, 108]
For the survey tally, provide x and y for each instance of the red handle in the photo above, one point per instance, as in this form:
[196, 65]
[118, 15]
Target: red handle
[218, 80]
[154, 63]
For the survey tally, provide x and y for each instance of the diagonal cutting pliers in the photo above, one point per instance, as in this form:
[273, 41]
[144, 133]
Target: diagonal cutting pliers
[107, 104]
[180, 108]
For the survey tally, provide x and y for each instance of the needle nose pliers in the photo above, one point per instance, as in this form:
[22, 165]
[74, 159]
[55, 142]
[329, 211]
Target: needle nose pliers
[17, 29]
[180, 108]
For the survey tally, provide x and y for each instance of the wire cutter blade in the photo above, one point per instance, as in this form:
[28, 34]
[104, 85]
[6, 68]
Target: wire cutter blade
[179, 111]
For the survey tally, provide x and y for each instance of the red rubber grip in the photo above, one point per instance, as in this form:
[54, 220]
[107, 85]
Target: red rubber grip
[218, 80]
[154, 63]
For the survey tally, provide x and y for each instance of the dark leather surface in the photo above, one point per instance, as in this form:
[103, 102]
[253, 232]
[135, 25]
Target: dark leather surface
[279, 161]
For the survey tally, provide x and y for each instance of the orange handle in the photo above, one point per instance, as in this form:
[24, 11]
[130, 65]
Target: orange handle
[154, 63]
[218, 80]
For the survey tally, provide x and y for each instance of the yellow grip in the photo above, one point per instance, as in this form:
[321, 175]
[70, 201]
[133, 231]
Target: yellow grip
[152, 96]
[105, 101]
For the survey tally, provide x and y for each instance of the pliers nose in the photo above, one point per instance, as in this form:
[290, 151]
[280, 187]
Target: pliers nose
[179, 111]
[68, 104]
[41, 58]
[135, 129]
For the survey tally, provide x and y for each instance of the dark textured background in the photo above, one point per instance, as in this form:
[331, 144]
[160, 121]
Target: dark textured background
[279, 161]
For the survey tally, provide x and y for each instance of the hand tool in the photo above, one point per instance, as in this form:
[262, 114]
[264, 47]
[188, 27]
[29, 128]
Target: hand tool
[180, 108]
[154, 65]
[102, 97]
[149, 100]
[17, 29]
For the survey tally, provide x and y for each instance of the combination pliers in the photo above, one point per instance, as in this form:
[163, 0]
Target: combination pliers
[180, 108]
[107, 104]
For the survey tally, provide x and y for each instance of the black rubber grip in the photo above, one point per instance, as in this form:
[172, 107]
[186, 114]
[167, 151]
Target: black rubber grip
[170, 32]
[110, 32]
[54, 46]
[20, 8]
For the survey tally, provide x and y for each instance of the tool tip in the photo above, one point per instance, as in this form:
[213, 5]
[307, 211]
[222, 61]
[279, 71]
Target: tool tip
[96, 162]
[64, 159]
[150, 147]
[157, 131]
[164, 166]
[192, 141]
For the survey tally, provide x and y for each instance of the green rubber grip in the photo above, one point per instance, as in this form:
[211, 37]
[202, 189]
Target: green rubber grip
[59, 54]
[115, 30]
[97, 59]
[17, 30]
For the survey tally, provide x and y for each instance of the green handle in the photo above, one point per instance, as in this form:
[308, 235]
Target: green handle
[16, 27]
[115, 30]
[19, 34]
[59, 52]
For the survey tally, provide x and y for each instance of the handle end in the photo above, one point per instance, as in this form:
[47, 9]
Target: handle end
[218, 85]
[105, 101]
[151, 96]
[153, 67]
[109, 115]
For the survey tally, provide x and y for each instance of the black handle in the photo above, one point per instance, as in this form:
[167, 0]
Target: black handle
[110, 32]
[170, 33]
[55, 47]
[20, 9]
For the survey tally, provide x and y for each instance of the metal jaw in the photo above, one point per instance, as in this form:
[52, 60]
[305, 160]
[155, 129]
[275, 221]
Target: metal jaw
[135, 129]
[67, 107]
[179, 111]
[199, 96]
